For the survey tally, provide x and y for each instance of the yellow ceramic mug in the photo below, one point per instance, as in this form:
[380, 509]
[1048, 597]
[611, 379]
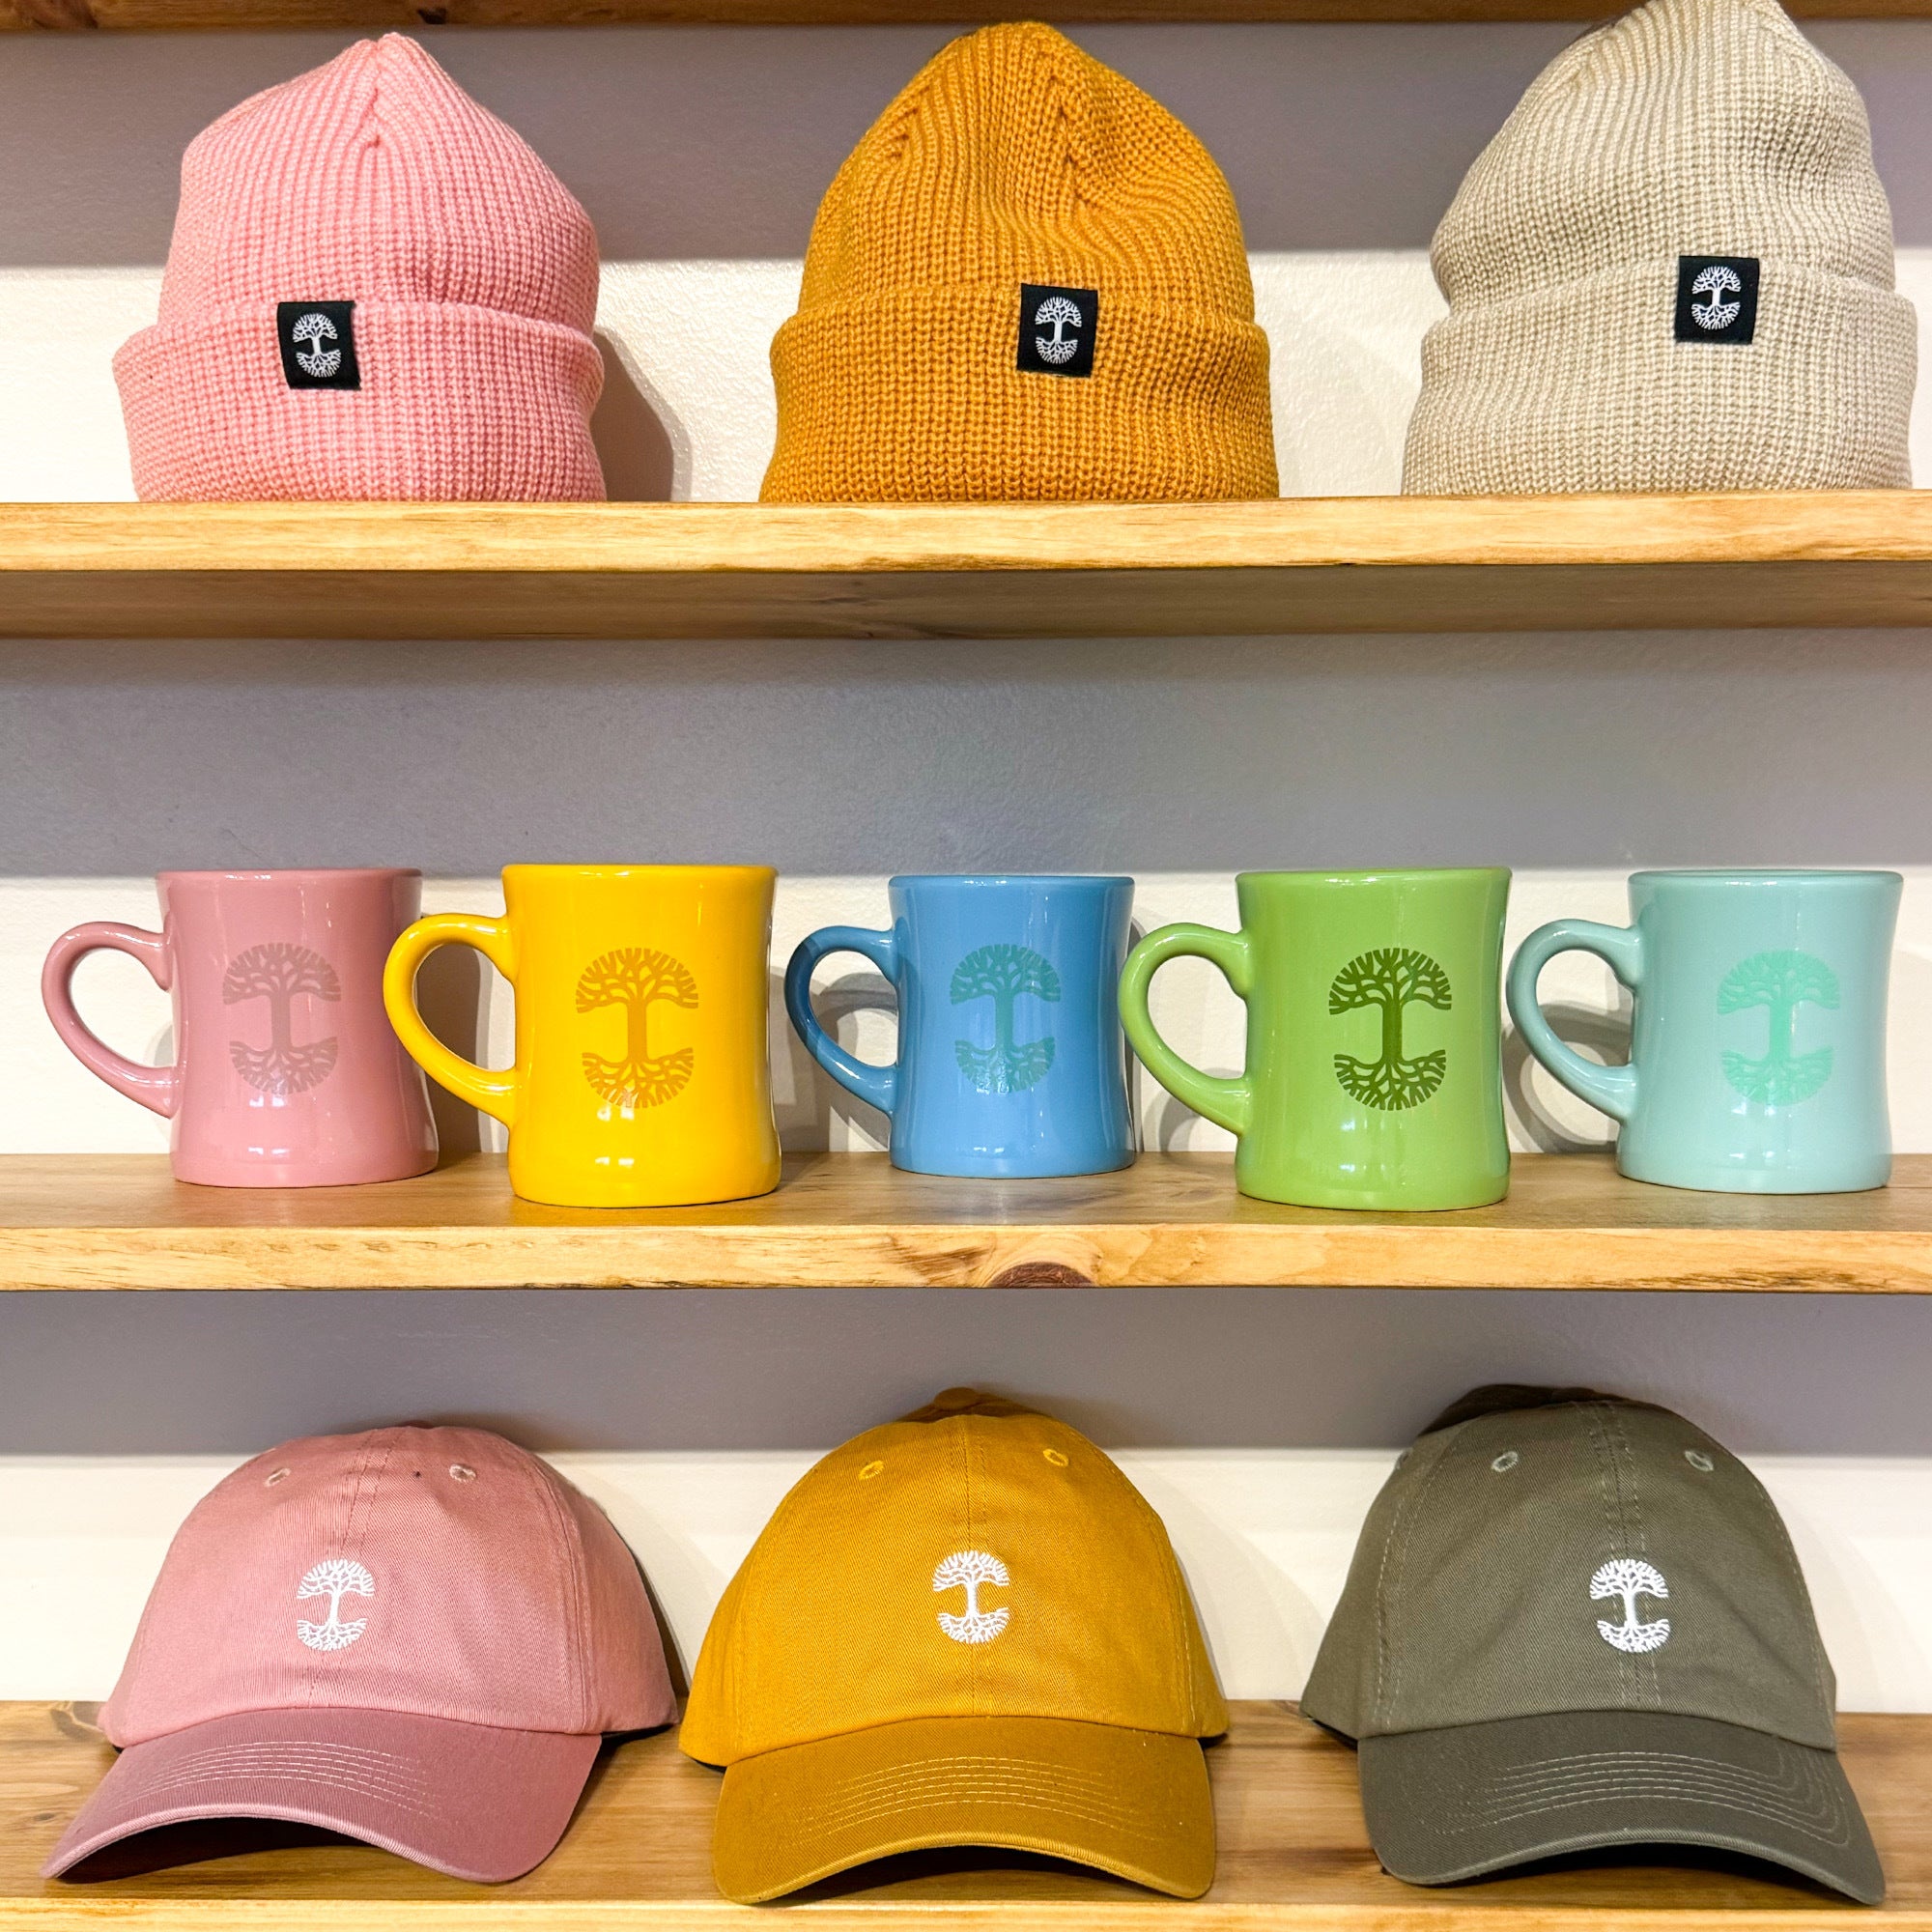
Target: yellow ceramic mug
[643, 1069]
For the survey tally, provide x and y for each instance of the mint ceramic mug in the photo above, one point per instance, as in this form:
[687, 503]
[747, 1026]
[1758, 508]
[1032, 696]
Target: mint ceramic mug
[1757, 1042]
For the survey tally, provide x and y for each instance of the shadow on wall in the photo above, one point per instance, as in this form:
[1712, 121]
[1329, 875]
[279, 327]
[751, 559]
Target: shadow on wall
[638, 440]
[1596, 1035]
[817, 1101]
[449, 992]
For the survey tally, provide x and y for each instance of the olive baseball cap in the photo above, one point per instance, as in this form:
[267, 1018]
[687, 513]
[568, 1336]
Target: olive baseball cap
[965, 1627]
[1573, 1622]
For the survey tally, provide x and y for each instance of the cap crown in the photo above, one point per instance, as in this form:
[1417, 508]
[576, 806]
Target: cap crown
[967, 1561]
[440, 1572]
[1490, 1582]
[1686, 126]
[1012, 156]
[376, 178]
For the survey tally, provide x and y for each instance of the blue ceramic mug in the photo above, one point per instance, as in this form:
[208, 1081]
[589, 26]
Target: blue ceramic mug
[1010, 1059]
[1757, 1043]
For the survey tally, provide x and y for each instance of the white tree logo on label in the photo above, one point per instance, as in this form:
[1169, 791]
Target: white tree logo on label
[1714, 283]
[972, 1571]
[338, 1577]
[316, 328]
[1630, 1577]
[1062, 314]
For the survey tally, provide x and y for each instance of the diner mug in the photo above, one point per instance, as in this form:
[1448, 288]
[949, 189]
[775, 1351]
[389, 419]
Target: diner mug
[642, 1075]
[286, 1071]
[1757, 1031]
[1373, 1074]
[1010, 1060]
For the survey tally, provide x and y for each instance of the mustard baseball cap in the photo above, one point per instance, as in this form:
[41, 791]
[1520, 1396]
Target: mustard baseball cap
[965, 1627]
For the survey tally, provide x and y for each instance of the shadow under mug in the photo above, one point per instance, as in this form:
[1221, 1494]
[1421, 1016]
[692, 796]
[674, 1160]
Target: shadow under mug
[642, 1076]
[1757, 1029]
[1010, 1059]
[286, 1072]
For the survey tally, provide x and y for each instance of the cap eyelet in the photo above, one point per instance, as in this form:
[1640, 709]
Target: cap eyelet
[1506, 1461]
[461, 1473]
[1055, 1457]
[871, 1470]
[1699, 1461]
[275, 1476]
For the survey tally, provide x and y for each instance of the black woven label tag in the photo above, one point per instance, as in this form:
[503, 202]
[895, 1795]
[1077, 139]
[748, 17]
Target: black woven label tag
[1717, 297]
[1058, 329]
[317, 341]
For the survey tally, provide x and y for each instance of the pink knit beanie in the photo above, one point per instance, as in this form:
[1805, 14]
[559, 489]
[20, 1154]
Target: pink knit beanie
[375, 289]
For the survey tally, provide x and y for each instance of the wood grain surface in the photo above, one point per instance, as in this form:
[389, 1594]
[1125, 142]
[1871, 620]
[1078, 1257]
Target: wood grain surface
[138, 15]
[118, 1221]
[1292, 1852]
[736, 570]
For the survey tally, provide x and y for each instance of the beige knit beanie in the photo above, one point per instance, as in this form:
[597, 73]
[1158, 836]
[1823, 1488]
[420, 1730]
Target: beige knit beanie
[1672, 270]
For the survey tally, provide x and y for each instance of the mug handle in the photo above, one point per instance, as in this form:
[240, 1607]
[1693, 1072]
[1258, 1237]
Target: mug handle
[1611, 1090]
[156, 1088]
[495, 1092]
[1226, 1103]
[876, 1086]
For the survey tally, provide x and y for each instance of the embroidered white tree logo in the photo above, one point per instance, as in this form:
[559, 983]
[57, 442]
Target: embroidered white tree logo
[1718, 284]
[316, 328]
[277, 973]
[338, 1577]
[972, 1571]
[1630, 1577]
[1061, 313]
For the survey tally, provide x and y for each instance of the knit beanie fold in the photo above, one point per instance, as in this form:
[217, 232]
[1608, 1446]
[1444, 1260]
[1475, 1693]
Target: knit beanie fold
[1026, 283]
[1672, 270]
[375, 289]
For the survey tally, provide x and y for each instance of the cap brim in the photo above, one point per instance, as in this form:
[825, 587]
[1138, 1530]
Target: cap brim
[464, 1798]
[1132, 1802]
[1455, 1803]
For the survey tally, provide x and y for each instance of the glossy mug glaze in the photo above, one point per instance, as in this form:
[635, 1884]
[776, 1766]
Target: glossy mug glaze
[642, 1076]
[1374, 1074]
[286, 1073]
[1757, 1033]
[1010, 1057]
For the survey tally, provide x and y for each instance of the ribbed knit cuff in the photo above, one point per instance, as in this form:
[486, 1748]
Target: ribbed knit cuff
[914, 397]
[457, 405]
[1563, 390]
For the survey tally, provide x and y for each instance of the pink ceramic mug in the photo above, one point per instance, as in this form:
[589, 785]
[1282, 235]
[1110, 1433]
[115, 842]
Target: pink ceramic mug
[285, 1071]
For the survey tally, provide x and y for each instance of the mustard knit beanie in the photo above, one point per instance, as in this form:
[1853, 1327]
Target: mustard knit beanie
[1027, 281]
[1672, 270]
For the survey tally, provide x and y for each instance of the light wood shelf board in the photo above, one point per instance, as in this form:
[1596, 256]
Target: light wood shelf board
[1293, 1854]
[118, 1221]
[83, 16]
[912, 571]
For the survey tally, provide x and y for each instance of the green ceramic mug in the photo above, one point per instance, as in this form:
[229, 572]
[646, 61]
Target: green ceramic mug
[1375, 1035]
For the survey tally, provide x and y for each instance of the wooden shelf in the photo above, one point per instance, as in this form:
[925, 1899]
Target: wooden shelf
[118, 1221]
[138, 15]
[741, 570]
[1292, 1855]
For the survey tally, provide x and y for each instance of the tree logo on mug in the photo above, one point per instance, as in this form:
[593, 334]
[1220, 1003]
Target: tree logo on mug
[1392, 977]
[1002, 974]
[636, 978]
[1782, 983]
[276, 973]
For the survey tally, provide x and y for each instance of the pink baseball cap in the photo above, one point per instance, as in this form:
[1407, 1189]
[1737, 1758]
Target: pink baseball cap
[414, 1637]
[375, 289]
